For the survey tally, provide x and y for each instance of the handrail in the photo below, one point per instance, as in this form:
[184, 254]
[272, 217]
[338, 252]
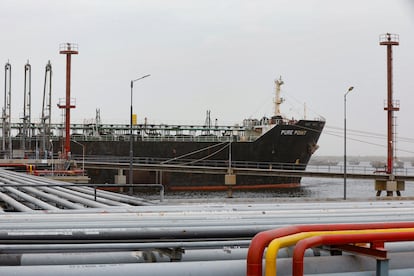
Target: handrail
[262, 239]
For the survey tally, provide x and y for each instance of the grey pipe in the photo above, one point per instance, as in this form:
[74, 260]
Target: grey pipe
[80, 258]
[113, 196]
[159, 219]
[158, 256]
[31, 199]
[72, 197]
[141, 233]
[14, 203]
[158, 225]
[108, 246]
[56, 199]
[335, 265]
[90, 197]
[224, 268]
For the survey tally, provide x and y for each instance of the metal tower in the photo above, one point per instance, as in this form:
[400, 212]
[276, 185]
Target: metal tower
[26, 107]
[390, 40]
[391, 185]
[67, 49]
[7, 143]
[46, 108]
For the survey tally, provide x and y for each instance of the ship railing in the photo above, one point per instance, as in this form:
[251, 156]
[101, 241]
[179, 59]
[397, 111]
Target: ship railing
[191, 162]
[355, 169]
[167, 138]
[201, 138]
[155, 138]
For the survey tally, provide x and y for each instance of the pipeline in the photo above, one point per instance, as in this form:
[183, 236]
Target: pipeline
[302, 245]
[262, 239]
[15, 178]
[116, 257]
[349, 265]
[276, 244]
[114, 196]
[115, 222]
[53, 198]
[80, 258]
[223, 268]
[110, 246]
[16, 204]
[208, 268]
[71, 197]
[30, 199]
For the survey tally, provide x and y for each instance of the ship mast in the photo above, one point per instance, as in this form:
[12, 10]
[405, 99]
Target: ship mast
[278, 100]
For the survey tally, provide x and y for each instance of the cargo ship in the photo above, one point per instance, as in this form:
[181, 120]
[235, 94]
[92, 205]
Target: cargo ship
[275, 142]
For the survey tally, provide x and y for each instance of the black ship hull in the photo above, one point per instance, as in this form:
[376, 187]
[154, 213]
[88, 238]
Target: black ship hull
[284, 146]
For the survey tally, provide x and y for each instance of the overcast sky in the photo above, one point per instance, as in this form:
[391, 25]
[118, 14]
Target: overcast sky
[219, 55]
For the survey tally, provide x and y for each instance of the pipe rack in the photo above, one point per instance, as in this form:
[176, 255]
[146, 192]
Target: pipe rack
[192, 235]
[28, 193]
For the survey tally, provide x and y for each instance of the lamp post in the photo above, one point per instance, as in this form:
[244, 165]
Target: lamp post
[83, 155]
[131, 150]
[346, 93]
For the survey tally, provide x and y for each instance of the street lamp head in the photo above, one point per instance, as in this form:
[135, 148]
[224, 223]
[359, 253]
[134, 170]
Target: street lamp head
[132, 81]
[349, 90]
[140, 78]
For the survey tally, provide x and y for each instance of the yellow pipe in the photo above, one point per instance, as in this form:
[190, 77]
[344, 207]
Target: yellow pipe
[276, 244]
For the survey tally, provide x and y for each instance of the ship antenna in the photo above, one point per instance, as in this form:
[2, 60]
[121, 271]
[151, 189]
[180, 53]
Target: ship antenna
[278, 99]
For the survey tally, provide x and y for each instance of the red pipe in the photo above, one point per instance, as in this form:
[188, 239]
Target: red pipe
[261, 240]
[302, 245]
[17, 165]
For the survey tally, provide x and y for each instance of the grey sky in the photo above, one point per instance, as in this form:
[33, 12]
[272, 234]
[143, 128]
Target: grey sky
[219, 55]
